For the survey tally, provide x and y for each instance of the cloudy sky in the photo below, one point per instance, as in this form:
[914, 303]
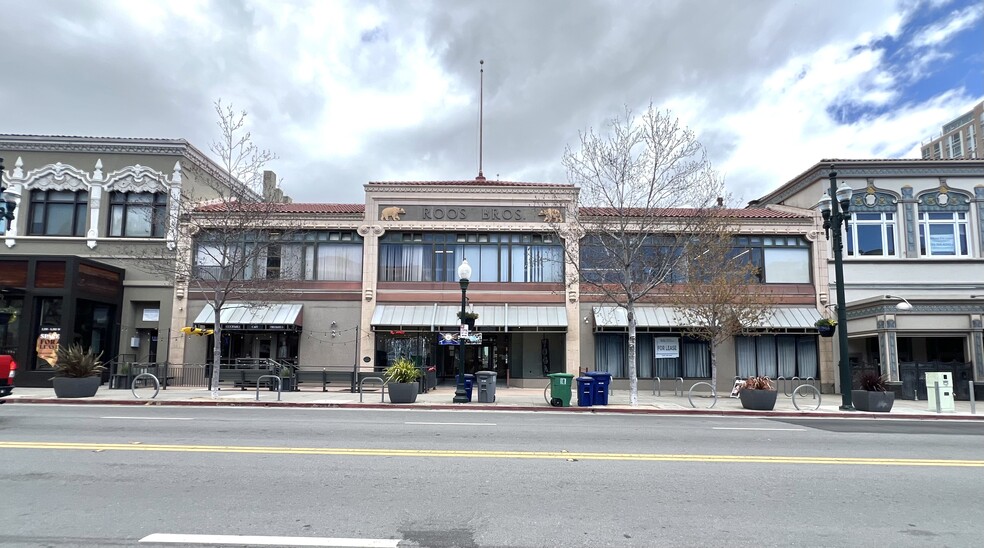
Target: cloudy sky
[350, 92]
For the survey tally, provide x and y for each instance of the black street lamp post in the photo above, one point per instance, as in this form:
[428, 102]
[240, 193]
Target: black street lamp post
[835, 215]
[8, 200]
[464, 273]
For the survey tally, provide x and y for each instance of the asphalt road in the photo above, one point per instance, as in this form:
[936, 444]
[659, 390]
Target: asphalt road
[116, 475]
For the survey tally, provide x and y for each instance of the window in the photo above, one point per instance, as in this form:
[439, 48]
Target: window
[434, 257]
[777, 356]
[956, 146]
[779, 259]
[137, 214]
[58, 212]
[658, 257]
[938, 150]
[611, 350]
[871, 234]
[943, 233]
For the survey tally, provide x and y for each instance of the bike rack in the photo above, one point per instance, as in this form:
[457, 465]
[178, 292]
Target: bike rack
[382, 387]
[678, 387]
[816, 396]
[691, 391]
[782, 381]
[133, 384]
[261, 377]
[657, 389]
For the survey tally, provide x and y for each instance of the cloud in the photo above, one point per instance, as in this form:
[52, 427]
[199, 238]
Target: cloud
[351, 92]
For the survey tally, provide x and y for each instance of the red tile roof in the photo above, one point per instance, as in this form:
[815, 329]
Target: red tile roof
[469, 182]
[312, 208]
[746, 213]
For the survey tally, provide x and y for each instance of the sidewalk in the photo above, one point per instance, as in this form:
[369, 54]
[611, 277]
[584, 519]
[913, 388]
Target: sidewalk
[507, 399]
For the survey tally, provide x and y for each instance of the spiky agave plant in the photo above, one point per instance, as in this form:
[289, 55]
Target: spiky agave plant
[74, 362]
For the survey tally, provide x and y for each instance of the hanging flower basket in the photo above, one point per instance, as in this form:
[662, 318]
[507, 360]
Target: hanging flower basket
[826, 327]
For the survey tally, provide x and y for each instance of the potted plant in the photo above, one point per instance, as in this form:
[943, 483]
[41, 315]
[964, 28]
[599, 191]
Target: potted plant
[468, 318]
[758, 394]
[826, 327]
[401, 381]
[77, 372]
[874, 394]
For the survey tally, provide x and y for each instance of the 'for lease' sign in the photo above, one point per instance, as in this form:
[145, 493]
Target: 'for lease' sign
[667, 347]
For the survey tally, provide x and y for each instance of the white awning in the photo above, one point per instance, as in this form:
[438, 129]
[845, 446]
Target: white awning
[658, 316]
[276, 314]
[499, 316]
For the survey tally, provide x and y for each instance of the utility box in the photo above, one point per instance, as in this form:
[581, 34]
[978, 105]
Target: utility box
[945, 381]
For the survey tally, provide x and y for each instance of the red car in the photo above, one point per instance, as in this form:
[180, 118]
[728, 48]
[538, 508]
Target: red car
[8, 368]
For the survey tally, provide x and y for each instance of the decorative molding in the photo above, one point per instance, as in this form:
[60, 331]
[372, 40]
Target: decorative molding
[57, 176]
[909, 218]
[375, 230]
[889, 309]
[979, 194]
[874, 199]
[944, 199]
[136, 178]
[893, 354]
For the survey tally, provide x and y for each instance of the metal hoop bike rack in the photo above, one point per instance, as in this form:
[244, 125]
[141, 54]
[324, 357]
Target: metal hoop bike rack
[133, 384]
[816, 396]
[678, 387]
[691, 392]
[657, 389]
[261, 377]
[382, 387]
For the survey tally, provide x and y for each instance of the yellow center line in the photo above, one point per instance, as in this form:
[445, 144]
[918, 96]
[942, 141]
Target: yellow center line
[440, 453]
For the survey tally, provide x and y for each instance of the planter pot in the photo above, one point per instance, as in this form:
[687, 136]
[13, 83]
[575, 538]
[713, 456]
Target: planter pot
[470, 322]
[67, 387]
[402, 392]
[879, 402]
[758, 400]
[826, 330]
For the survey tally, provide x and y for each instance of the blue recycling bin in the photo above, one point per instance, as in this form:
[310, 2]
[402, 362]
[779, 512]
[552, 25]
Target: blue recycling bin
[602, 380]
[585, 391]
[469, 383]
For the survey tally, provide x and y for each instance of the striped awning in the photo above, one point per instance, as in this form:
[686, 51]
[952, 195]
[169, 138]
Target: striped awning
[435, 316]
[252, 315]
[782, 317]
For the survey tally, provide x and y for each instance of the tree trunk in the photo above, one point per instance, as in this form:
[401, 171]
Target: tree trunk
[714, 364]
[633, 376]
[216, 349]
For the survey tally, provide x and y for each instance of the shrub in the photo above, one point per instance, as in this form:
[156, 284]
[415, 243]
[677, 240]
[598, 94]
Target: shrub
[468, 316]
[825, 322]
[402, 370]
[76, 363]
[758, 383]
[873, 382]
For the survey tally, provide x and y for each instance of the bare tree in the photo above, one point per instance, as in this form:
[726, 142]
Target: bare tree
[644, 185]
[235, 241]
[719, 301]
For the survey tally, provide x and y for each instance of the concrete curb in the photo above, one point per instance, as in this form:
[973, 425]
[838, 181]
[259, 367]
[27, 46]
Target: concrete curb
[479, 407]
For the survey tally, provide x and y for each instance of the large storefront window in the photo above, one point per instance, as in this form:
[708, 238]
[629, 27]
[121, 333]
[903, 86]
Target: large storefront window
[11, 314]
[777, 356]
[434, 257]
[693, 360]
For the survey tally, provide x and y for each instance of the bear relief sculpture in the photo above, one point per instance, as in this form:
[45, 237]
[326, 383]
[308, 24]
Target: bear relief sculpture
[550, 215]
[391, 214]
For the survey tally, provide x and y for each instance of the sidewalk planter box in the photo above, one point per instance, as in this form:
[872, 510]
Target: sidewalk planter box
[758, 400]
[879, 402]
[69, 387]
[402, 392]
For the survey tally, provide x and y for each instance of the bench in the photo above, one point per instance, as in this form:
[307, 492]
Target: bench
[324, 376]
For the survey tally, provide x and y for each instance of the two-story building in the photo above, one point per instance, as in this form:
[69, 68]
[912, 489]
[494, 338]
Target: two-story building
[915, 236]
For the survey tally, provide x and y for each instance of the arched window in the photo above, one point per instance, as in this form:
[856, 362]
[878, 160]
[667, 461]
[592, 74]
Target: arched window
[871, 230]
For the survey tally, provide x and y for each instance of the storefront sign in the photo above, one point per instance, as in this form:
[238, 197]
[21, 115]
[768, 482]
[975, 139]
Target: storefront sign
[666, 347]
[447, 339]
[151, 314]
[471, 214]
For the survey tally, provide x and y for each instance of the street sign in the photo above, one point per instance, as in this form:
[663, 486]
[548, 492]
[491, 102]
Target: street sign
[447, 339]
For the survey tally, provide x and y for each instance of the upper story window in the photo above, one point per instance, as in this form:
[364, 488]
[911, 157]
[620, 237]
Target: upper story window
[307, 255]
[659, 257]
[943, 223]
[956, 146]
[938, 150]
[871, 228]
[435, 256]
[871, 234]
[778, 259]
[333, 256]
[943, 234]
[137, 214]
[58, 212]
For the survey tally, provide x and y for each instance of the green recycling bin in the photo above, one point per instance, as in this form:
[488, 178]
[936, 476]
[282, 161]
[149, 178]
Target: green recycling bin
[560, 389]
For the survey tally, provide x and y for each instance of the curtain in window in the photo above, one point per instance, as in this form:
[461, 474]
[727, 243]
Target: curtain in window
[806, 354]
[610, 354]
[787, 355]
[745, 355]
[766, 354]
[644, 355]
[290, 262]
[668, 368]
[344, 262]
[696, 359]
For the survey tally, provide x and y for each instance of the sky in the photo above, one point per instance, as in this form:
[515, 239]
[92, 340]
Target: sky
[350, 92]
